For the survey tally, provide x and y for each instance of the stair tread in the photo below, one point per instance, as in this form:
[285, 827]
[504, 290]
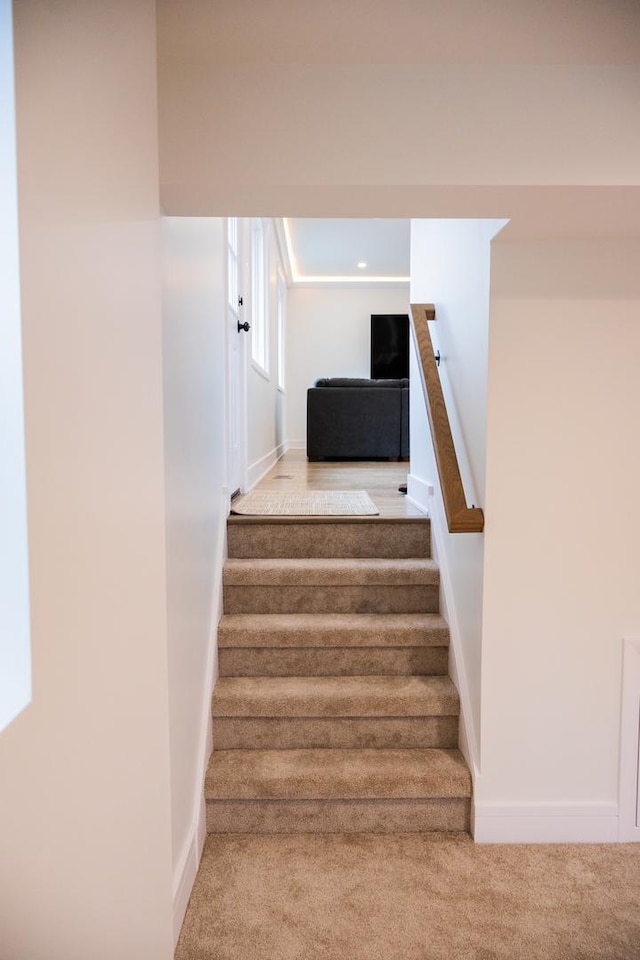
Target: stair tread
[333, 630]
[332, 774]
[330, 572]
[359, 696]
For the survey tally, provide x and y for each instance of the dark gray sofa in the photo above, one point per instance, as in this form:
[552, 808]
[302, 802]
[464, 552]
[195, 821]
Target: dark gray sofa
[358, 419]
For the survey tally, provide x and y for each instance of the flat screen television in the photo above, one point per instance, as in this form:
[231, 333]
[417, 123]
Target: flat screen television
[389, 346]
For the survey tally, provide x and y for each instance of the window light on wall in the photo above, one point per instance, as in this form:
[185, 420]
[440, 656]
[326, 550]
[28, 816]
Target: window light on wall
[282, 293]
[15, 628]
[259, 294]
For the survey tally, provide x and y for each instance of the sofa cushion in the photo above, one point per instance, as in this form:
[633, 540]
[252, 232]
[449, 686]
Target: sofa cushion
[360, 382]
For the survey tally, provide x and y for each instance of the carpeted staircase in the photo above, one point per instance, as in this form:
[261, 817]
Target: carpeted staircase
[333, 711]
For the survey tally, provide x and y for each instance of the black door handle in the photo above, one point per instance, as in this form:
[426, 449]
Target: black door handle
[243, 326]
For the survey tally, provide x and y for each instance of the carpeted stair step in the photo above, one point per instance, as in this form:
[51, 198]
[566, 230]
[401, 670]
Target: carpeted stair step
[298, 733]
[331, 586]
[332, 661]
[329, 712]
[333, 711]
[337, 790]
[333, 630]
[336, 775]
[328, 537]
[334, 696]
[282, 645]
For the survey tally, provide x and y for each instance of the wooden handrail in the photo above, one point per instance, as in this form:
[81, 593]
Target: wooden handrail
[460, 517]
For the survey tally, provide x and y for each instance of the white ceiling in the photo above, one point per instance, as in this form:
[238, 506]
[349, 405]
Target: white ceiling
[330, 248]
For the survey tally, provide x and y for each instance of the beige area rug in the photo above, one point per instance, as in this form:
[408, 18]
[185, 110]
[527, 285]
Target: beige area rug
[310, 503]
[411, 897]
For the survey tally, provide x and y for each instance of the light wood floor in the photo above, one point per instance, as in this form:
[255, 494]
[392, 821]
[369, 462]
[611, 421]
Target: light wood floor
[380, 479]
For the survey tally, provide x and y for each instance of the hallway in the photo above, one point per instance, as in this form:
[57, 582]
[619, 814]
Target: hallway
[381, 479]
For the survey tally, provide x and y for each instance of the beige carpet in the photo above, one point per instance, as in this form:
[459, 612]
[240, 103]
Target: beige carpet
[311, 503]
[411, 897]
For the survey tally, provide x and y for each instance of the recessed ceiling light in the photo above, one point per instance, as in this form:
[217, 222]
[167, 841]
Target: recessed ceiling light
[361, 265]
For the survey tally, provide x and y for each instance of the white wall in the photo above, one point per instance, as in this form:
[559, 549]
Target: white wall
[329, 335]
[473, 110]
[513, 32]
[85, 822]
[195, 387]
[562, 533]
[284, 128]
[265, 403]
[15, 635]
[395, 111]
[194, 305]
[450, 267]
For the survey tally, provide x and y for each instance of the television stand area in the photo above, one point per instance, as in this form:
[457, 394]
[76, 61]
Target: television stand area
[355, 419]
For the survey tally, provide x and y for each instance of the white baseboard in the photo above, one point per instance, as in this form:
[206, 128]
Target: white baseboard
[629, 785]
[188, 872]
[296, 444]
[545, 822]
[421, 495]
[187, 866]
[257, 470]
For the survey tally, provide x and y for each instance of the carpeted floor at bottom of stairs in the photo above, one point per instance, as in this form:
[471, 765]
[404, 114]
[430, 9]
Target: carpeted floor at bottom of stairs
[411, 897]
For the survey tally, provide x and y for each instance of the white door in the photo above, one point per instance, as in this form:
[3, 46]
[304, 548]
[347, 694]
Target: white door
[237, 339]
